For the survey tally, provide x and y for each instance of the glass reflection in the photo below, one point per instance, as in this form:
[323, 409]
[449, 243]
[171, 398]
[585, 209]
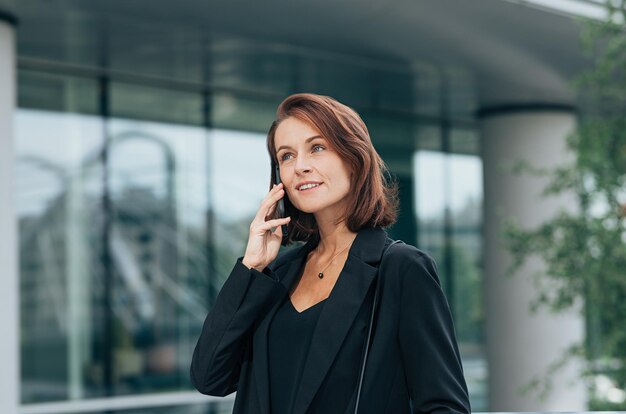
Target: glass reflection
[159, 255]
[59, 188]
[241, 174]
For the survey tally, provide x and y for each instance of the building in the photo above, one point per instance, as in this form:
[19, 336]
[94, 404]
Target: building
[132, 138]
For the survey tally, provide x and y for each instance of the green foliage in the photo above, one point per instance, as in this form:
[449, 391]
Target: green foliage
[585, 251]
[469, 317]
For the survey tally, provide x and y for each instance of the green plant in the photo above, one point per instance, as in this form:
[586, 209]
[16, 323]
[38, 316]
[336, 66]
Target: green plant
[585, 251]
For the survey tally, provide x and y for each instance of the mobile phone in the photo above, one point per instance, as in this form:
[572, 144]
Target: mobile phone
[281, 203]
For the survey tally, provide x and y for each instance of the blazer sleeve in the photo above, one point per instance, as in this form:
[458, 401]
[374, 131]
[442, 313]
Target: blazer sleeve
[226, 332]
[429, 350]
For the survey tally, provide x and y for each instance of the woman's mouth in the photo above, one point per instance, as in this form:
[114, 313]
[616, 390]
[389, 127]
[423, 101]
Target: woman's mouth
[310, 189]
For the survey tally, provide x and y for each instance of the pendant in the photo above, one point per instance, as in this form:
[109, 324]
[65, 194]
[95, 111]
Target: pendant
[321, 275]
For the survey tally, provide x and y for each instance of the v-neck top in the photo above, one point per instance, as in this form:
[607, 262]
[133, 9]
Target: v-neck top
[289, 339]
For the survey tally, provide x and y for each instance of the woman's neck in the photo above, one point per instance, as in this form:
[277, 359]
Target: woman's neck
[333, 242]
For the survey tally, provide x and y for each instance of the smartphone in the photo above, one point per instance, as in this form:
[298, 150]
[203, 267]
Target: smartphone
[281, 203]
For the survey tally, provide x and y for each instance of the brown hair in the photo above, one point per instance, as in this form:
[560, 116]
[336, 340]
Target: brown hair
[373, 202]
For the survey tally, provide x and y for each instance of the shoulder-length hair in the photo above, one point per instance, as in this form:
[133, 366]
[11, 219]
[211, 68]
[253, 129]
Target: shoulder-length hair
[373, 201]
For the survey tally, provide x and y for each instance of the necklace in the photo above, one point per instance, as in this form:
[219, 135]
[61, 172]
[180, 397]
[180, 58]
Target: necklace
[321, 274]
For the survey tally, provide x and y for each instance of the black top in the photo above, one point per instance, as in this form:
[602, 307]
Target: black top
[289, 339]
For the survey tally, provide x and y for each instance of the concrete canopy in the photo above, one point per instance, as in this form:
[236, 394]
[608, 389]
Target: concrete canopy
[517, 55]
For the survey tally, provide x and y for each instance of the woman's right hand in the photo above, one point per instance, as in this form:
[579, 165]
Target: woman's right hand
[263, 244]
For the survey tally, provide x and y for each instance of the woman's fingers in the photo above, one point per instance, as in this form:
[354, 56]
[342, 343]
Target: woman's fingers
[260, 248]
[274, 223]
[269, 201]
[271, 211]
[273, 201]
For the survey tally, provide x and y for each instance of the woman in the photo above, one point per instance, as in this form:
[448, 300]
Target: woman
[288, 333]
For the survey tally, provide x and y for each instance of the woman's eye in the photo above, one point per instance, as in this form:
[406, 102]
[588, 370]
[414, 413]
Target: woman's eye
[282, 157]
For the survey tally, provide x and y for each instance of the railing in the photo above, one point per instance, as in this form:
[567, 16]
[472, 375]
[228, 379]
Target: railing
[183, 398]
[123, 403]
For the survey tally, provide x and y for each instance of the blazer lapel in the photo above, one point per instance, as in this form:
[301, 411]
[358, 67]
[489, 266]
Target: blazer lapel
[334, 322]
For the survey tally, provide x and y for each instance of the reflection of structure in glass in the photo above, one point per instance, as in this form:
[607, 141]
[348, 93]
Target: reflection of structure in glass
[67, 284]
[585, 8]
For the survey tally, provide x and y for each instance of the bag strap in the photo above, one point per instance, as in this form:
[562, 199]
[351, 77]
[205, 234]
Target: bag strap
[369, 332]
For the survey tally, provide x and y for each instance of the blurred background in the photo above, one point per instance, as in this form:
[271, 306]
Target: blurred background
[133, 159]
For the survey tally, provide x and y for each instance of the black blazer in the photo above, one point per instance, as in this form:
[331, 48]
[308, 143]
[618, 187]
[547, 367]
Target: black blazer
[413, 365]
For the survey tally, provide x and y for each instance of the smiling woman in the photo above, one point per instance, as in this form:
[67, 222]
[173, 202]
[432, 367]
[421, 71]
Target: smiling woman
[316, 139]
[294, 332]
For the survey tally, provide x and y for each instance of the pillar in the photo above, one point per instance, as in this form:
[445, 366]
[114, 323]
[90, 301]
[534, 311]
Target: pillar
[9, 287]
[521, 345]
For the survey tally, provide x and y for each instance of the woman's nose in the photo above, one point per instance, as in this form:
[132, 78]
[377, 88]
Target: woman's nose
[302, 165]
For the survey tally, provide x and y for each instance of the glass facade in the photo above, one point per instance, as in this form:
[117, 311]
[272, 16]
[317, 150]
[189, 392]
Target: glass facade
[448, 205]
[137, 183]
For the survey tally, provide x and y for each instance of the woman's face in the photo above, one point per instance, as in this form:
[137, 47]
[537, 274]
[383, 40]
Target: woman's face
[304, 155]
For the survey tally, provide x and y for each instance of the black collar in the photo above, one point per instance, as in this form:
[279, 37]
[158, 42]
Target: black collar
[367, 246]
